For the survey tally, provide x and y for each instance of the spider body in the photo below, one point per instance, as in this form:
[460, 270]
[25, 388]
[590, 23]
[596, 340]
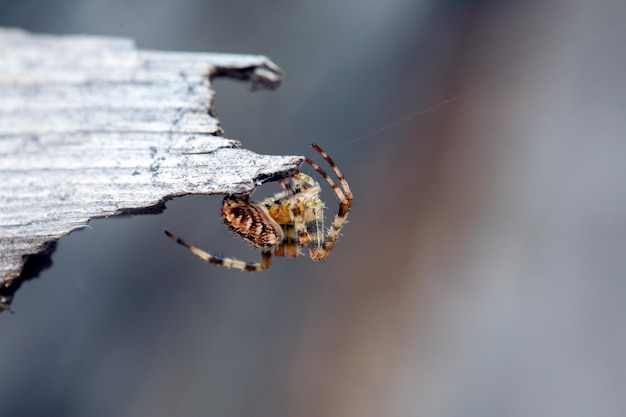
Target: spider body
[284, 223]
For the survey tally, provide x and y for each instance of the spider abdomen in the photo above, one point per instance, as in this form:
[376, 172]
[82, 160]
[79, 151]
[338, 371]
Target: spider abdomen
[251, 222]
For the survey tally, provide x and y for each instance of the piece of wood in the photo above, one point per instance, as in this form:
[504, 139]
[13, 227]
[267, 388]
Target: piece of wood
[92, 127]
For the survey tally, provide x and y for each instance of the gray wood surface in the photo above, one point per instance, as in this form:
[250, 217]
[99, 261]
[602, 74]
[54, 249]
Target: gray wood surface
[92, 127]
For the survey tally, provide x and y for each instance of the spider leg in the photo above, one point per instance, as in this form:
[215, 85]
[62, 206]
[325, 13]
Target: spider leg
[299, 225]
[266, 257]
[342, 179]
[344, 195]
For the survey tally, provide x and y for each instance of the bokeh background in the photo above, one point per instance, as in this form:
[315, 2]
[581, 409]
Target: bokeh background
[483, 272]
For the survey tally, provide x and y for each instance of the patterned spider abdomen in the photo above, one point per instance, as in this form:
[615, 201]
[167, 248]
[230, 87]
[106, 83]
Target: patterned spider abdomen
[251, 222]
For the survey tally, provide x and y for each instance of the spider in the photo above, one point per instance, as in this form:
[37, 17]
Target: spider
[285, 222]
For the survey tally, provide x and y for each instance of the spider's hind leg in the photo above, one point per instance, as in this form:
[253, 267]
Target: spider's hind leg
[266, 257]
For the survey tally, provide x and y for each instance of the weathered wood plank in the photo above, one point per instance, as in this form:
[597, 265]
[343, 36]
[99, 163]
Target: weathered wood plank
[92, 127]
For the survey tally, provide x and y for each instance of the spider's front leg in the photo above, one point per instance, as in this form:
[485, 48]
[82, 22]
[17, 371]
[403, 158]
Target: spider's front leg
[344, 195]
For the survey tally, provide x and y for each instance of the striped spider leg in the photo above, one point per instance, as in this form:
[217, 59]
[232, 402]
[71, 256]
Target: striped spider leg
[280, 225]
[311, 222]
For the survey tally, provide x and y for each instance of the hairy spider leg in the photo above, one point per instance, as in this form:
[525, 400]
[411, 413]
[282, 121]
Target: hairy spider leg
[281, 211]
[305, 209]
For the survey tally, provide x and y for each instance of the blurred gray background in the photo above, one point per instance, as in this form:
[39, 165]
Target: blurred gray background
[483, 272]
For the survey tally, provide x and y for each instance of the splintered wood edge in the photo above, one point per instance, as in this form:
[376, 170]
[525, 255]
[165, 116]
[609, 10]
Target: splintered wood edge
[92, 127]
